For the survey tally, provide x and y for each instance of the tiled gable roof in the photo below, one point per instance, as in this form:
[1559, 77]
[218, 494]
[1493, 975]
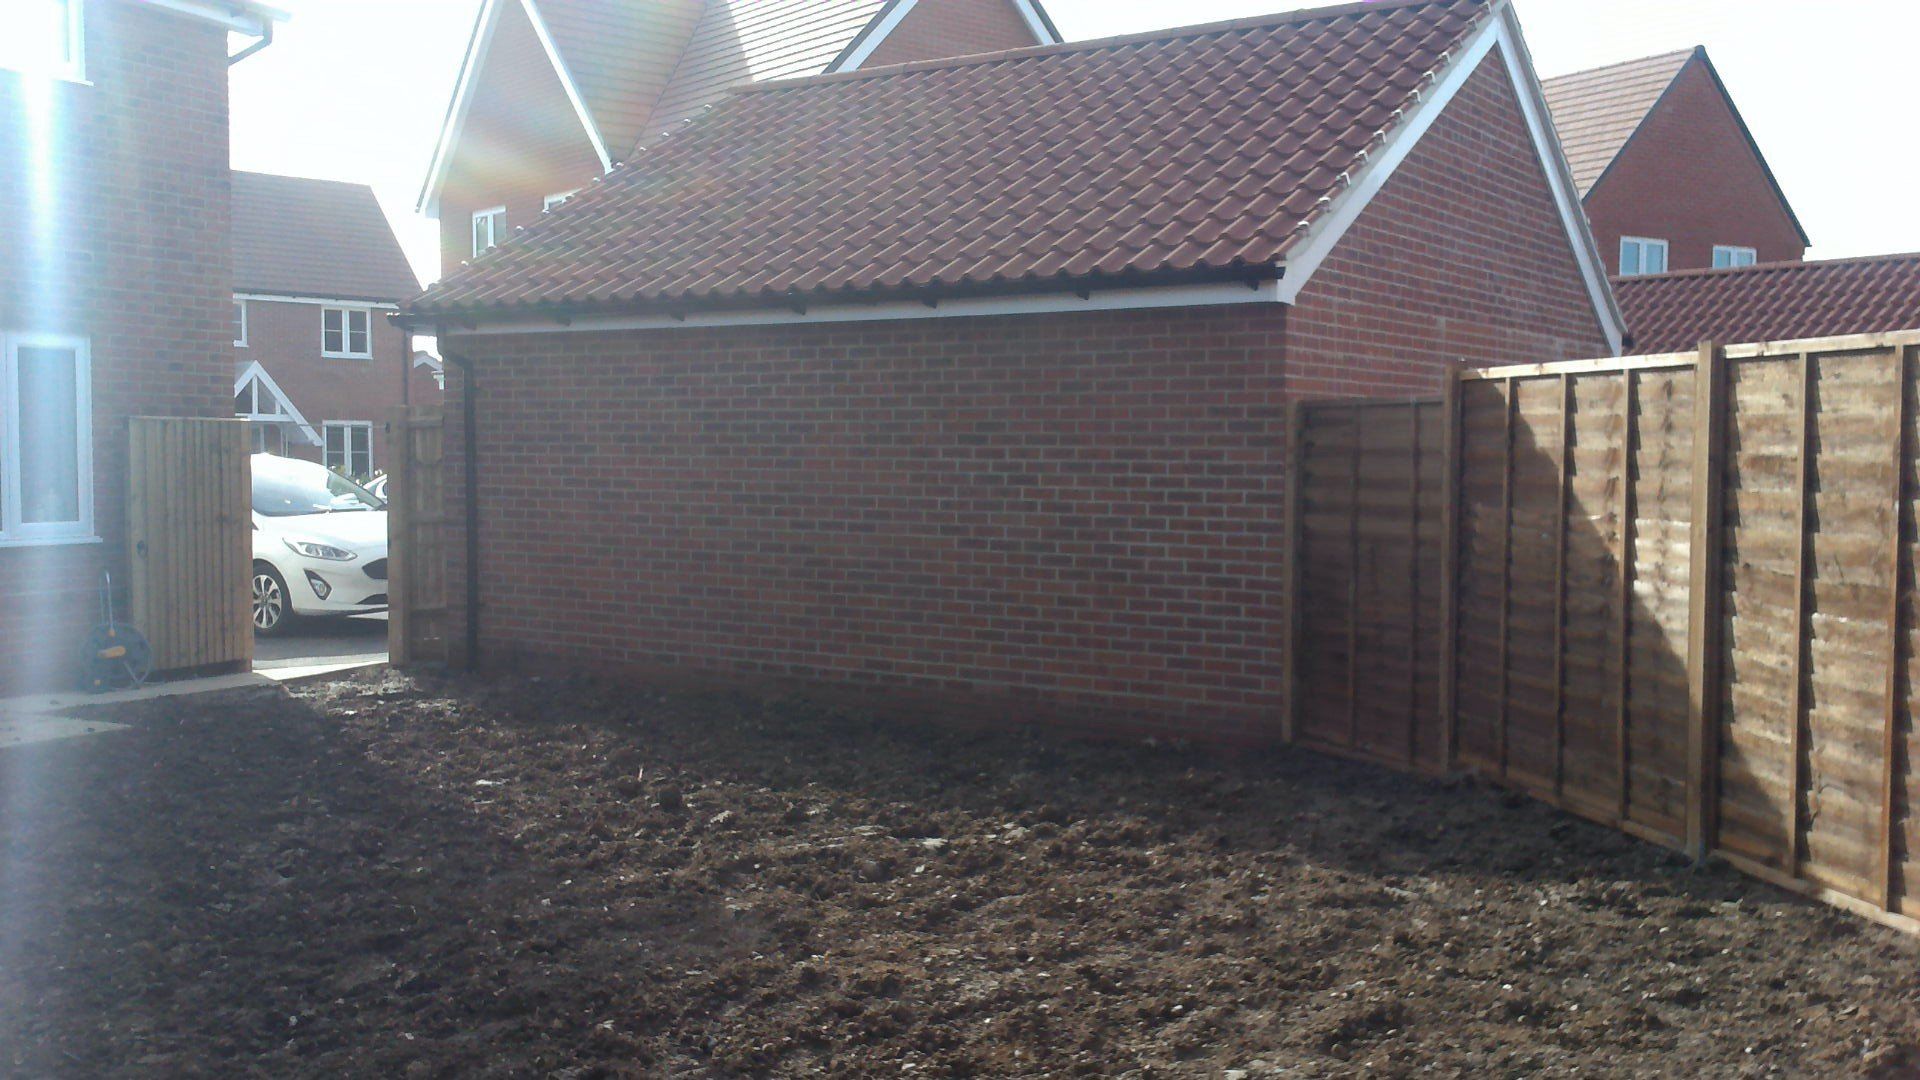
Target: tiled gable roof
[1204, 150]
[1775, 302]
[1597, 111]
[321, 238]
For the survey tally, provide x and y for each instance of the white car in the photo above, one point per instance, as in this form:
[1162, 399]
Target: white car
[319, 544]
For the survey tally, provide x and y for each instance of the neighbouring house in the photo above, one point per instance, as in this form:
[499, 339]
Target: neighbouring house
[975, 373]
[554, 93]
[1787, 301]
[1670, 175]
[114, 285]
[317, 271]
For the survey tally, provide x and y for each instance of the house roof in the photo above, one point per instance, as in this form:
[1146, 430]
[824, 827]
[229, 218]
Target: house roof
[318, 238]
[1773, 302]
[1597, 111]
[1205, 151]
[634, 68]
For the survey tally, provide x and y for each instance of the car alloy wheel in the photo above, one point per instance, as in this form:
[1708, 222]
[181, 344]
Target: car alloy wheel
[269, 602]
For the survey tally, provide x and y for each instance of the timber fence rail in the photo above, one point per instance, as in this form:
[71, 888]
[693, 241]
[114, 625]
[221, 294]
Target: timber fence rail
[1674, 594]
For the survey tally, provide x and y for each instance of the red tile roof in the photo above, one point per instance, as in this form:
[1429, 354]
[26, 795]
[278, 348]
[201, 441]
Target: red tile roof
[319, 238]
[1775, 302]
[1597, 111]
[1203, 151]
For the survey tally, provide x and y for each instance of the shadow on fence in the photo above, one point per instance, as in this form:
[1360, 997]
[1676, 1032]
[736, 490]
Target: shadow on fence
[1672, 594]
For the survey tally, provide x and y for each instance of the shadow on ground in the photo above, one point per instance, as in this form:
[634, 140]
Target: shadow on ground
[456, 877]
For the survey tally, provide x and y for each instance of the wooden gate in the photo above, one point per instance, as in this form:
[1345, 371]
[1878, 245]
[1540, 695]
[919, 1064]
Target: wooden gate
[417, 537]
[190, 538]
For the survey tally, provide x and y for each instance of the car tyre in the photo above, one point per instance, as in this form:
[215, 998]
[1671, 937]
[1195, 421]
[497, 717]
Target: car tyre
[272, 604]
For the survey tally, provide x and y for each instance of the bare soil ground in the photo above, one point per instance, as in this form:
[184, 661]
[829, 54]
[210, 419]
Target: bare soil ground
[447, 877]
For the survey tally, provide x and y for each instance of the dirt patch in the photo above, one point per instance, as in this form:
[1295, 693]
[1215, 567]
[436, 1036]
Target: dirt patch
[454, 878]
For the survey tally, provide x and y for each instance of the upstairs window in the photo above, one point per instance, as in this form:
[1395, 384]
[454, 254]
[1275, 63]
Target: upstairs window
[1728, 257]
[46, 439]
[1639, 255]
[489, 228]
[346, 333]
[551, 201]
[240, 323]
[42, 37]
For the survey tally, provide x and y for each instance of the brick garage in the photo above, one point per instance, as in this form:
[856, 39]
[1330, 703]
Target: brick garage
[1070, 512]
[137, 180]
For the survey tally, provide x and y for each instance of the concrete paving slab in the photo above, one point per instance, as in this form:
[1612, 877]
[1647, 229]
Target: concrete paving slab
[31, 730]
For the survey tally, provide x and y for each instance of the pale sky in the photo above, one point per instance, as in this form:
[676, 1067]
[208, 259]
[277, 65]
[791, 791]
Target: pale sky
[357, 89]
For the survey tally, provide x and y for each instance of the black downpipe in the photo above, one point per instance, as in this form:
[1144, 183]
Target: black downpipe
[470, 441]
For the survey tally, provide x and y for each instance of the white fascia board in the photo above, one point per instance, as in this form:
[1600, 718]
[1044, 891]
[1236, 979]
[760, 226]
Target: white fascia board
[254, 372]
[249, 19]
[1169, 296]
[1502, 32]
[456, 121]
[566, 83]
[324, 301]
[1031, 15]
[1566, 193]
[889, 21]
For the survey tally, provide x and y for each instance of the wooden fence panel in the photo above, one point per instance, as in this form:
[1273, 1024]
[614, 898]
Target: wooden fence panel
[1673, 594]
[189, 534]
[1369, 506]
[417, 531]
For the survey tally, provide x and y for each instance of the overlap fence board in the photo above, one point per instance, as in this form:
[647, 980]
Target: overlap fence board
[1673, 594]
[1368, 499]
[417, 525]
[189, 518]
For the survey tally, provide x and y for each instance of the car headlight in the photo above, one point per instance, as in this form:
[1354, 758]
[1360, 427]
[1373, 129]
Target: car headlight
[313, 549]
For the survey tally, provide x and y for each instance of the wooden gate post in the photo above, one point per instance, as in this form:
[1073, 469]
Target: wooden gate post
[1295, 538]
[1706, 550]
[1450, 570]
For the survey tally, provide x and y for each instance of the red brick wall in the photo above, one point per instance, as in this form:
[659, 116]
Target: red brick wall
[936, 29]
[1083, 508]
[522, 141]
[136, 174]
[1438, 270]
[1080, 507]
[285, 339]
[1689, 177]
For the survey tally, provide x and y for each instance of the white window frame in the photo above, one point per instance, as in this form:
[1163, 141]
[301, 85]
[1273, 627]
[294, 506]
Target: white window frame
[547, 204]
[74, 68]
[241, 341]
[13, 532]
[349, 426]
[1645, 244]
[1735, 254]
[496, 219]
[346, 351]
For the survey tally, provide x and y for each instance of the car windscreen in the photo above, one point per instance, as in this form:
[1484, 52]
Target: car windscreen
[292, 493]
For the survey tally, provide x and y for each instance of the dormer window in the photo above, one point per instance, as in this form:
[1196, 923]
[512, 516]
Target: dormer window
[489, 228]
[43, 37]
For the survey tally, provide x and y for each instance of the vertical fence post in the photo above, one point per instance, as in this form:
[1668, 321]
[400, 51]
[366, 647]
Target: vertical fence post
[1510, 400]
[1629, 540]
[1889, 745]
[1358, 420]
[1802, 632]
[1449, 568]
[1705, 553]
[1413, 584]
[1295, 541]
[1561, 509]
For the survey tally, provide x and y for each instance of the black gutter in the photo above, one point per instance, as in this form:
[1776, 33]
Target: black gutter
[470, 452]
